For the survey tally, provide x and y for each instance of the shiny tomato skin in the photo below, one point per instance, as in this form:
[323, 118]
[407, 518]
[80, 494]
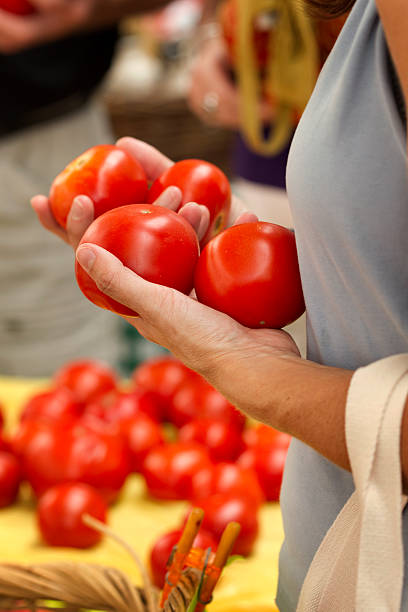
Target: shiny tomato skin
[60, 511]
[251, 272]
[121, 406]
[162, 376]
[162, 548]
[56, 405]
[18, 7]
[263, 435]
[142, 434]
[105, 173]
[169, 469]
[223, 442]
[155, 242]
[221, 509]
[197, 399]
[87, 379]
[227, 478]
[200, 182]
[268, 463]
[10, 478]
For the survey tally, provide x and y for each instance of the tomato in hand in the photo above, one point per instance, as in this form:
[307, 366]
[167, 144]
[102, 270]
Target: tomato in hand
[18, 7]
[87, 379]
[221, 509]
[162, 376]
[155, 242]
[197, 399]
[109, 176]
[10, 477]
[142, 435]
[169, 469]
[229, 478]
[251, 272]
[60, 511]
[200, 182]
[54, 405]
[162, 548]
[268, 463]
[223, 442]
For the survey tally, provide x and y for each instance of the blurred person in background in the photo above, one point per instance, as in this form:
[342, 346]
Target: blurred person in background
[53, 57]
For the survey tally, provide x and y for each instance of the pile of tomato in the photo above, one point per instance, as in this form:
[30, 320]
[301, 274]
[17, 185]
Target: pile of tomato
[78, 441]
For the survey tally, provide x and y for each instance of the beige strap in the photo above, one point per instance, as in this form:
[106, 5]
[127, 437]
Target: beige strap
[359, 564]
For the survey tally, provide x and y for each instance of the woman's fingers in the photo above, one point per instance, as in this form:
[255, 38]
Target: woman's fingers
[153, 162]
[198, 216]
[79, 218]
[41, 207]
[239, 213]
[170, 198]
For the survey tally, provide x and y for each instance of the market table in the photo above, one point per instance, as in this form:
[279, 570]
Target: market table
[246, 585]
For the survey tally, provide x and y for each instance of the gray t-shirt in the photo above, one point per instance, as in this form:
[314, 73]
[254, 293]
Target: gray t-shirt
[348, 190]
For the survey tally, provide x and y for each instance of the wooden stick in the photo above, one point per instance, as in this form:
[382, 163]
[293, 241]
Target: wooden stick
[224, 549]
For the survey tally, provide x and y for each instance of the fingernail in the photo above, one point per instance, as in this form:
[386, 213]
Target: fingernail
[77, 210]
[85, 257]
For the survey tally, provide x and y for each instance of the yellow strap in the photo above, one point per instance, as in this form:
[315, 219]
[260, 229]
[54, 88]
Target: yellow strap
[291, 72]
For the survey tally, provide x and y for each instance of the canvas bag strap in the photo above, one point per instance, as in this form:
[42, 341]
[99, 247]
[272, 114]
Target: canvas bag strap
[359, 564]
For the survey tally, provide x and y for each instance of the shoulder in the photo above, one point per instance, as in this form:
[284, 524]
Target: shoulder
[394, 17]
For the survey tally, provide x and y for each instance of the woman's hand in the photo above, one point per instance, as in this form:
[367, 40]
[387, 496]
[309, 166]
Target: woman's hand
[154, 163]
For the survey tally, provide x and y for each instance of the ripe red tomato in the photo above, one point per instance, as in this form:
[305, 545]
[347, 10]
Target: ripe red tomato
[223, 442]
[229, 478]
[18, 7]
[221, 509]
[121, 406]
[161, 551]
[155, 242]
[162, 376]
[10, 477]
[251, 272]
[105, 173]
[87, 379]
[197, 399]
[60, 511]
[1, 417]
[168, 469]
[54, 405]
[199, 182]
[142, 435]
[263, 435]
[268, 463]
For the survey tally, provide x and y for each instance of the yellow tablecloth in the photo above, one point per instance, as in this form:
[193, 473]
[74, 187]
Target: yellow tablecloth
[247, 585]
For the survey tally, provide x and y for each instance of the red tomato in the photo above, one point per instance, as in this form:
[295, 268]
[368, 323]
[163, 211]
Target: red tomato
[121, 406]
[221, 509]
[161, 551]
[268, 463]
[10, 477]
[251, 272]
[54, 405]
[55, 455]
[87, 379]
[18, 7]
[199, 182]
[60, 511]
[142, 435]
[169, 469]
[223, 442]
[105, 173]
[1, 416]
[228, 478]
[263, 435]
[197, 399]
[162, 376]
[155, 242]
[25, 432]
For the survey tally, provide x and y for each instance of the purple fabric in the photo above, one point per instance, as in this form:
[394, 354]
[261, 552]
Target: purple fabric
[257, 168]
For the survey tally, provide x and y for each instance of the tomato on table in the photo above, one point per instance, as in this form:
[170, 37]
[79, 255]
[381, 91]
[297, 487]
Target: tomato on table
[121, 405]
[162, 548]
[251, 272]
[155, 242]
[60, 511]
[55, 405]
[264, 435]
[200, 182]
[268, 463]
[223, 442]
[87, 379]
[10, 478]
[227, 478]
[109, 176]
[142, 434]
[162, 376]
